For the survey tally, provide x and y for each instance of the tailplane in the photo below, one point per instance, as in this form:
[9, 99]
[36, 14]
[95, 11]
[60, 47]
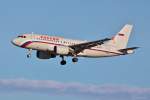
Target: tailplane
[128, 50]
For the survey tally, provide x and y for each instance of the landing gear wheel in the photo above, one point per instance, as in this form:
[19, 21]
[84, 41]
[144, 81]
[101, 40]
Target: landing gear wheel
[29, 53]
[74, 60]
[63, 62]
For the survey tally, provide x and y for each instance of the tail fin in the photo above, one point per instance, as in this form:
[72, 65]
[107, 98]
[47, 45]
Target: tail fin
[120, 40]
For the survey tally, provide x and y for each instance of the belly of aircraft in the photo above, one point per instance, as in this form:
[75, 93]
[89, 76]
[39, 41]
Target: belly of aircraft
[96, 53]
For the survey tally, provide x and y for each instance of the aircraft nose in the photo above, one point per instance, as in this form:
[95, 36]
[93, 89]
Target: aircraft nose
[15, 42]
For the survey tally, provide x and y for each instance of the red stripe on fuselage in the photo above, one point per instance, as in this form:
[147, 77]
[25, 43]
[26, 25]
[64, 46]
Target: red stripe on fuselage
[30, 42]
[26, 44]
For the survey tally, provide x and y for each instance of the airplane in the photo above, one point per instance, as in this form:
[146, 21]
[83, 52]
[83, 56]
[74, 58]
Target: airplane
[51, 46]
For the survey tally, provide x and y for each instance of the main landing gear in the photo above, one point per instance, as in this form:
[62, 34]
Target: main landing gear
[74, 60]
[63, 62]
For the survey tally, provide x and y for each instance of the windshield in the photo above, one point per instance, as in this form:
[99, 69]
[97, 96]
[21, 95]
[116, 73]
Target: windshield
[21, 36]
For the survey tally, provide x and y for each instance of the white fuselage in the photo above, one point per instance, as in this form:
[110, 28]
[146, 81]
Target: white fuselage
[46, 43]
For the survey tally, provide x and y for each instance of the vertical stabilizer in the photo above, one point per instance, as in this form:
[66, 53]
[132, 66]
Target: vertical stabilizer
[120, 40]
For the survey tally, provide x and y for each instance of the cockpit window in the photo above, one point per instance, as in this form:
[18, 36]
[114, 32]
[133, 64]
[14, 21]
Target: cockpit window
[21, 36]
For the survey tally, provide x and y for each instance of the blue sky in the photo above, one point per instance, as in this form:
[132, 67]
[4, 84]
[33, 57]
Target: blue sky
[79, 19]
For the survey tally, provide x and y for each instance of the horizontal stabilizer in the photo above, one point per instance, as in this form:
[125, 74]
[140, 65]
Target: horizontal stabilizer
[128, 50]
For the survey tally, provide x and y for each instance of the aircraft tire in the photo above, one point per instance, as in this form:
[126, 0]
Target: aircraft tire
[63, 62]
[74, 59]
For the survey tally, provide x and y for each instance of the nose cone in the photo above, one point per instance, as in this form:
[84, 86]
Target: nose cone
[15, 42]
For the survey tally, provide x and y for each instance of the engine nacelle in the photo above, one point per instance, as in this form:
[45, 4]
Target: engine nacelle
[45, 55]
[61, 50]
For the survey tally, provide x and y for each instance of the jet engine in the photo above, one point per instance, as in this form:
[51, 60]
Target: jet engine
[45, 55]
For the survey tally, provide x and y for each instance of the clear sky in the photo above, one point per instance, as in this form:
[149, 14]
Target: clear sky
[116, 78]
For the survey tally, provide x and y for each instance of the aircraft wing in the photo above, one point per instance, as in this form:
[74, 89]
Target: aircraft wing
[80, 47]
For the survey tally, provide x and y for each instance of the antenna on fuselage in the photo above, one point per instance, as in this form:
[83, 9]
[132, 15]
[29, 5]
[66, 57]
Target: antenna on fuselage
[32, 35]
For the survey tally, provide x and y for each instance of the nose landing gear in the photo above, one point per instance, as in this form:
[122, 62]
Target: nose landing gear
[29, 53]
